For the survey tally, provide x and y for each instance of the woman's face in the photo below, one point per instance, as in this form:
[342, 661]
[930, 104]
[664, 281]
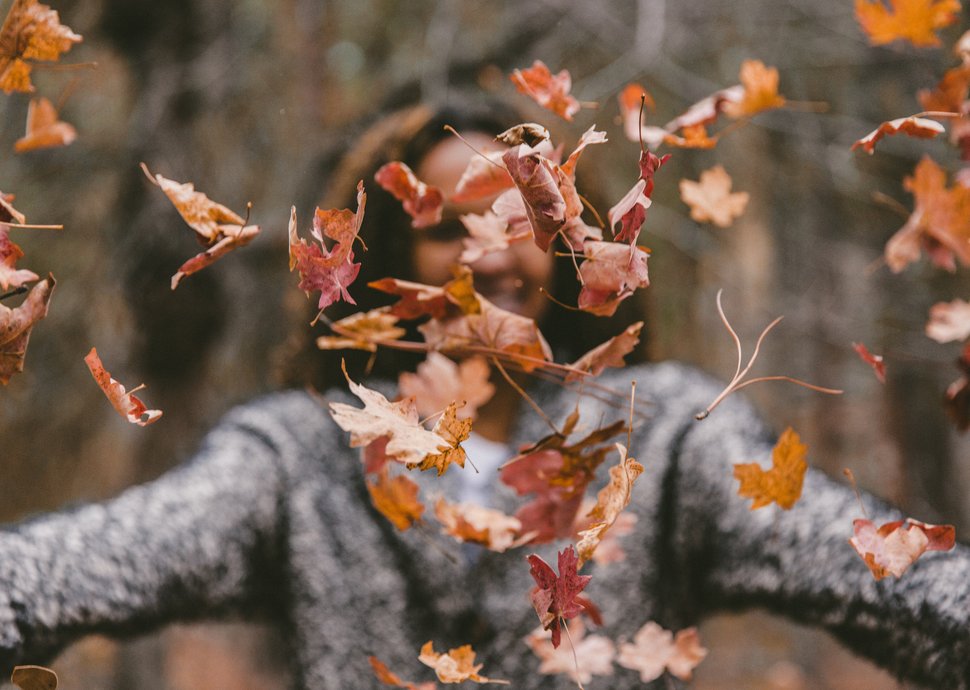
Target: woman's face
[510, 279]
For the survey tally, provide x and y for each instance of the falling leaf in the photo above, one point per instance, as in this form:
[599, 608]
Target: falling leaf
[422, 202]
[610, 502]
[913, 126]
[216, 227]
[488, 233]
[44, 130]
[528, 133]
[783, 482]
[631, 210]
[630, 100]
[363, 331]
[440, 381]
[31, 31]
[554, 597]
[910, 20]
[548, 90]
[456, 666]
[453, 431]
[34, 678]
[396, 499]
[16, 325]
[417, 299]
[10, 253]
[891, 548]
[388, 677]
[760, 91]
[692, 137]
[711, 199]
[126, 404]
[330, 271]
[654, 650]
[609, 549]
[875, 361]
[940, 222]
[408, 441]
[475, 524]
[536, 179]
[484, 177]
[706, 110]
[950, 92]
[589, 656]
[949, 321]
[609, 354]
[611, 272]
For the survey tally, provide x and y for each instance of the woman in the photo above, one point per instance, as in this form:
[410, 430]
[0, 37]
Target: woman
[272, 517]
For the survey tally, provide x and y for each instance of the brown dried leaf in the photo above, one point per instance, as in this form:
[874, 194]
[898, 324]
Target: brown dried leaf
[44, 129]
[610, 502]
[439, 382]
[396, 499]
[16, 325]
[456, 666]
[783, 482]
[34, 678]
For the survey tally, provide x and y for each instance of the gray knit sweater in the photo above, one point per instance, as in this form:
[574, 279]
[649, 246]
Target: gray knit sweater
[271, 518]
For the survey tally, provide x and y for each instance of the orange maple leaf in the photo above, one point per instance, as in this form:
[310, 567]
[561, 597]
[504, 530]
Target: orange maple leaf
[363, 331]
[16, 325]
[548, 90]
[422, 202]
[760, 90]
[455, 666]
[692, 137]
[783, 482]
[475, 524]
[914, 126]
[30, 31]
[453, 431]
[215, 226]
[396, 499]
[711, 199]
[125, 402]
[909, 20]
[388, 677]
[44, 130]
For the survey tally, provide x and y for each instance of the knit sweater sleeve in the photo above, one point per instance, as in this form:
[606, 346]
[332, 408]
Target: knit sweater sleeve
[719, 554]
[201, 540]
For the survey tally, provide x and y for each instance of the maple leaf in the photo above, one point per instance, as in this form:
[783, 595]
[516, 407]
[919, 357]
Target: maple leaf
[609, 354]
[706, 110]
[654, 650]
[484, 177]
[10, 252]
[940, 222]
[950, 92]
[783, 482]
[439, 382]
[455, 666]
[631, 210]
[453, 431]
[363, 331]
[466, 522]
[875, 361]
[417, 299]
[407, 441]
[589, 137]
[711, 199]
[537, 181]
[609, 549]
[910, 20]
[554, 597]
[422, 202]
[388, 677]
[760, 91]
[610, 502]
[528, 133]
[611, 272]
[34, 678]
[330, 271]
[30, 31]
[548, 90]
[396, 499]
[44, 130]
[949, 321]
[891, 548]
[913, 126]
[125, 403]
[692, 137]
[589, 656]
[16, 325]
[488, 233]
[216, 227]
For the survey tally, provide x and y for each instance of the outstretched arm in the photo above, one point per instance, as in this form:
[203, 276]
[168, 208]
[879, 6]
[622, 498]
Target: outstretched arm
[200, 541]
[798, 562]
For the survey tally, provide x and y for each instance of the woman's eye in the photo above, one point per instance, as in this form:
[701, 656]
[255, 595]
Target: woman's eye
[446, 231]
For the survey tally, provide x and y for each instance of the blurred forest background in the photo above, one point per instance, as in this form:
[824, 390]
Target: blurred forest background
[245, 98]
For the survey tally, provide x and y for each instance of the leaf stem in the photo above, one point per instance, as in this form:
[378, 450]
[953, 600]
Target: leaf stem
[525, 396]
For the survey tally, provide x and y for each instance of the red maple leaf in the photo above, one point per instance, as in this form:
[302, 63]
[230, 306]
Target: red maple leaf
[421, 201]
[549, 90]
[556, 597]
[610, 274]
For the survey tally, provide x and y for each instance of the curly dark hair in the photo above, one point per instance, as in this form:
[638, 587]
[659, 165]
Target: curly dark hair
[408, 134]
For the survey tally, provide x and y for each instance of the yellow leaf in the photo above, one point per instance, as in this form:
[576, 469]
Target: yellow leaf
[909, 20]
[783, 482]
